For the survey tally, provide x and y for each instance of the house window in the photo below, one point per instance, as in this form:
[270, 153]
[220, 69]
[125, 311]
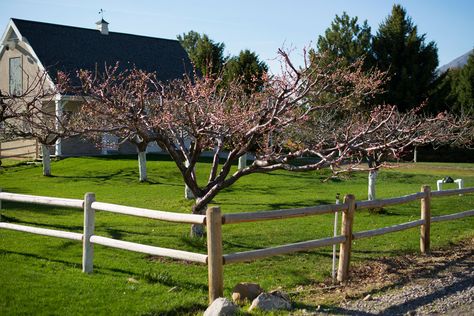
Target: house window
[15, 76]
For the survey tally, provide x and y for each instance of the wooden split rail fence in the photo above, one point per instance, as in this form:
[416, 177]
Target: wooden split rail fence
[215, 259]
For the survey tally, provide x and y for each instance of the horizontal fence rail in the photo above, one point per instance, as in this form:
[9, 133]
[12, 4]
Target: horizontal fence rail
[151, 250]
[450, 217]
[141, 212]
[234, 218]
[215, 259]
[386, 230]
[280, 250]
[452, 192]
[390, 201]
[42, 231]
[43, 200]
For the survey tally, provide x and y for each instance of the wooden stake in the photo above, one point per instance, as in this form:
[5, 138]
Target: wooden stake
[214, 253]
[346, 230]
[89, 223]
[426, 217]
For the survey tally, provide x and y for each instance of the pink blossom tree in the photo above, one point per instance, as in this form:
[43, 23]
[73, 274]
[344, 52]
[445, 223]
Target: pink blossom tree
[382, 135]
[120, 103]
[292, 115]
[31, 114]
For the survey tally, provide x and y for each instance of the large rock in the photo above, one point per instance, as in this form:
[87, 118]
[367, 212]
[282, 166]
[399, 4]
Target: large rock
[221, 307]
[246, 291]
[271, 301]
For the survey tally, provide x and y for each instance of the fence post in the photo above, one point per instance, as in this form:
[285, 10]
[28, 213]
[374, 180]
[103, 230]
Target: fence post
[89, 223]
[426, 216]
[346, 230]
[214, 253]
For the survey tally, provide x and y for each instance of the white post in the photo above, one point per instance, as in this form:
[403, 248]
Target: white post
[58, 104]
[334, 247]
[371, 188]
[89, 223]
[460, 183]
[243, 161]
[188, 194]
[46, 160]
[415, 154]
[142, 165]
[439, 185]
[104, 144]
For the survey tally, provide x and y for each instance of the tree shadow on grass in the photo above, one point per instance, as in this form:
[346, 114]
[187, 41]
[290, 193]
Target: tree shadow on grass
[104, 270]
[46, 209]
[75, 228]
[99, 177]
[267, 207]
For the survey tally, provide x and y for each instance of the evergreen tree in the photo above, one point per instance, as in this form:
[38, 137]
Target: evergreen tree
[206, 55]
[442, 95]
[465, 88]
[346, 39]
[399, 49]
[453, 90]
[247, 68]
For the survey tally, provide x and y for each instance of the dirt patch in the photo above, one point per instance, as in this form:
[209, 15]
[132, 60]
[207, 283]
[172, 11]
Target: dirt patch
[449, 268]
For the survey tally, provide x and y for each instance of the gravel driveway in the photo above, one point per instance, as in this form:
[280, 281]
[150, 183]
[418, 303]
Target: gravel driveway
[441, 283]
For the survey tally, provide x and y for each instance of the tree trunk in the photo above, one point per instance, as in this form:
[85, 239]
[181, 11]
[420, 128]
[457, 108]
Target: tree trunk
[188, 194]
[372, 182]
[142, 165]
[198, 230]
[243, 161]
[415, 154]
[46, 160]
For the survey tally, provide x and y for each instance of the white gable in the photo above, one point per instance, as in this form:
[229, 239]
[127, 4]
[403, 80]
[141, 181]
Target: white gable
[11, 37]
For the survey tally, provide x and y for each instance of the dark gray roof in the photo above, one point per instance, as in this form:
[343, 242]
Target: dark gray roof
[68, 49]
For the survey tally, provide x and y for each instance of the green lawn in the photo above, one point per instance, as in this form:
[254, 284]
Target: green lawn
[42, 275]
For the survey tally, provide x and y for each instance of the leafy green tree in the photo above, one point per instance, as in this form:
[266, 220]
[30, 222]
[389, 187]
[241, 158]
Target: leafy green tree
[346, 39]
[247, 68]
[206, 55]
[411, 63]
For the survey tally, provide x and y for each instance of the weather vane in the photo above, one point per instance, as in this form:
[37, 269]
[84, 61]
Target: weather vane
[101, 12]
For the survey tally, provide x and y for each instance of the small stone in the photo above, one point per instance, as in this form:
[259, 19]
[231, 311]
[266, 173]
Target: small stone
[271, 301]
[221, 307]
[132, 280]
[174, 288]
[245, 291]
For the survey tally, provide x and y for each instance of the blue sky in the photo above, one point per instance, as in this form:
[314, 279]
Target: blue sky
[262, 26]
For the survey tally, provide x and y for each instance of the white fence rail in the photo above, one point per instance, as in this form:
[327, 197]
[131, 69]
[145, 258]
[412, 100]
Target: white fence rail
[215, 259]
[89, 205]
[42, 231]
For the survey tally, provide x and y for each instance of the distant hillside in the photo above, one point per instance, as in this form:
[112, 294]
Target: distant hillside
[455, 63]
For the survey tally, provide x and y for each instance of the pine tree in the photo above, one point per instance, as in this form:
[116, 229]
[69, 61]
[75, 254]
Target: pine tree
[206, 55]
[399, 49]
[247, 68]
[465, 88]
[346, 39]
